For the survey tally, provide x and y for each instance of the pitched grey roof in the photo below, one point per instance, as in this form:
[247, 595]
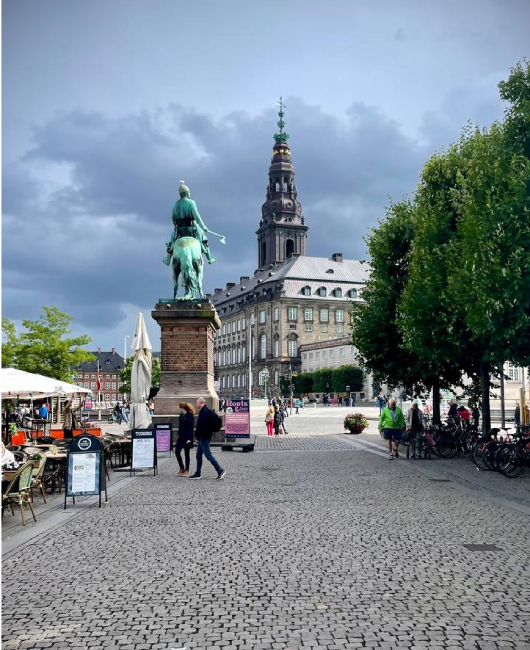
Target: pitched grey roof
[108, 362]
[299, 272]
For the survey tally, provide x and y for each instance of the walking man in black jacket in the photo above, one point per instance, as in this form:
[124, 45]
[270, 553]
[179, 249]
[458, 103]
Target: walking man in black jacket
[203, 433]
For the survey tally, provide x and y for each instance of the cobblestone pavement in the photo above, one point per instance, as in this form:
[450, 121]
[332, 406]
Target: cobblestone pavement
[337, 549]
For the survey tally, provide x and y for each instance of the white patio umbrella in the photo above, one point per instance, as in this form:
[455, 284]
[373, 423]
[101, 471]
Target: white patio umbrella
[27, 385]
[140, 376]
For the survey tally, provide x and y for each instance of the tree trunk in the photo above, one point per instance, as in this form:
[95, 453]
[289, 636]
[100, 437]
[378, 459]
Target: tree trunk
[485, 382]
[436, 401]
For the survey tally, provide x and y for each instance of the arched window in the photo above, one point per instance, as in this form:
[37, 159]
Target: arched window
[293, 347]
[263, 347]
[306, 291]
[353, 294]
[284, 185]
[244, 353]
[289, 248]
[322, 292]
[224, 382]
[276, 378]
[338, 293]
[253, 348]
[276, 347]
[263, 253]
[277, 185]
[239, 354]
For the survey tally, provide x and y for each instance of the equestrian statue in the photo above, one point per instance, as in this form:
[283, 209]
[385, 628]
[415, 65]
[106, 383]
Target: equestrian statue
[185, 249]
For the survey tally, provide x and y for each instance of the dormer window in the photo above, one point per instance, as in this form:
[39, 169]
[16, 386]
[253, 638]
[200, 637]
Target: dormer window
[306, 291]
[353, 294]
[322, 292]
[107, 361]
[330, 271]
[338, 293]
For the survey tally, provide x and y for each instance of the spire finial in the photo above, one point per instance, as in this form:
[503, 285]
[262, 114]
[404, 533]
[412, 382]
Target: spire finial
[281, 136]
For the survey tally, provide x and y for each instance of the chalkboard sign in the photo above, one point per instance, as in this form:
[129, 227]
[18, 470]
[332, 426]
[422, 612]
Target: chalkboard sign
[85, 468]
[164, 437]
[143, 450]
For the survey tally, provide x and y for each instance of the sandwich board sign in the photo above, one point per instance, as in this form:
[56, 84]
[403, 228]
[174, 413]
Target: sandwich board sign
[143, 454]
[85, 468]
[164, 438]
[237, 418]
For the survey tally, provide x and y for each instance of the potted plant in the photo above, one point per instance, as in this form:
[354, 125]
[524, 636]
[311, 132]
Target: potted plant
[355, 422]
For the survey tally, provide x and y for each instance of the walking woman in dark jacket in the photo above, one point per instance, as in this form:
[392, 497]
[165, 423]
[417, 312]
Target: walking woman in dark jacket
[185, 437]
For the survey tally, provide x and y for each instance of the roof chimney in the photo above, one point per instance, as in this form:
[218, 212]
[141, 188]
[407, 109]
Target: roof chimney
[243, 278]
[99, 350]
[337, 257]
[217, 291]
[229, 285]
[113, 350]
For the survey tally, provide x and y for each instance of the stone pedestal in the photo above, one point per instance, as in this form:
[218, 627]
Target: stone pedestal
[187, 331]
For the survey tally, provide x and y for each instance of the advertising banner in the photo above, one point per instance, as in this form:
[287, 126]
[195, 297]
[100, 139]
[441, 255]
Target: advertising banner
[163, 437]
[88, 403]
[237, 418]
[143, 449]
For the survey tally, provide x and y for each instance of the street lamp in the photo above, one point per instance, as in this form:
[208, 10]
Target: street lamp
[265, 375]
[249, 336]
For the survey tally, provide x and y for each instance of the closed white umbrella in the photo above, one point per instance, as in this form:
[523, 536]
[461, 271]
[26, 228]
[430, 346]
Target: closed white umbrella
[140, 376]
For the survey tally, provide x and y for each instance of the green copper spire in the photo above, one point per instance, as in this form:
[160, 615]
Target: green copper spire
[281, 136]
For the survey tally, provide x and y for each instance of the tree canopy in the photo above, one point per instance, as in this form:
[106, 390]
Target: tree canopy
[44, 347]
[125, 375]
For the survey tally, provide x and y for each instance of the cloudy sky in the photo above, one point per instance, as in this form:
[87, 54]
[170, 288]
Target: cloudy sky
[108, 104]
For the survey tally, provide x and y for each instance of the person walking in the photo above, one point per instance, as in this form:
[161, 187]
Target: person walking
[277, 420]
[203, 433]
[297, 405]
[391, 424]
[283, 417]
[415, 424]
[269, 419]
[184, 437]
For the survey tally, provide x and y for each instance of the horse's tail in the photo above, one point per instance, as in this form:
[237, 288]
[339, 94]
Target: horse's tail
[187, 265]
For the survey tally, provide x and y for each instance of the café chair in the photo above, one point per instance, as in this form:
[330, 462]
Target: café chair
[37, 477]
[18, 491]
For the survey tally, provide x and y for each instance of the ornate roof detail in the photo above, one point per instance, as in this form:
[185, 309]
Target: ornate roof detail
[281, 136]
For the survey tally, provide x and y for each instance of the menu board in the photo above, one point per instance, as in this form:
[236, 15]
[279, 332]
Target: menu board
[163, 437]
[143, 449]
[83, 474]
[237, 418]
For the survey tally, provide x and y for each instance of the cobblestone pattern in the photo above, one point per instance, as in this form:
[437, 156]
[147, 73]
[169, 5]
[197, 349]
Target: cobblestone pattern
[323, 550]
[300, 443]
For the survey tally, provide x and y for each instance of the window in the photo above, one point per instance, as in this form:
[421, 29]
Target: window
[342, 352]
[317, 355]
[252, 347]
[107, 376]
[291, 313]
[340, 329]
[238, 381]
[276, 347]
[306, 291]
[276, 314]
[223, 330]
[322, 292]
[310, 355]
[308, 313]
[93, 384]
[263, 347]
[513, 372]
[324, 328]
[228, 380]
[289, 248]
[114, 385]
[332, 352]
[92, 376]
[304, 356]
[223, 383]
[244, 380]
[308, 328]
[260, 378]
[107, 362]
[353, 294]
[276, 378]
[262, 317]
[107, 397]
[243, 353]
[239, 325]
[293, 348]
[244, 324]
[238, 354]
[324, 315]
[107, 385]
[338, 293]
[339, 316]
[292, 327]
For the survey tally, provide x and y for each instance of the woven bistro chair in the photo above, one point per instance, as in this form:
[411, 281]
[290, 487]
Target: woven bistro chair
[18, 491]
[37, 477]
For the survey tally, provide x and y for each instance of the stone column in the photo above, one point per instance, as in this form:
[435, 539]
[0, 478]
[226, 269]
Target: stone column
[187, 369]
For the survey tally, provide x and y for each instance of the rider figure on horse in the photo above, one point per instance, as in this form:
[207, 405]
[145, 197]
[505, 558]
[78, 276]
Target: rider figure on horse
[188, 223]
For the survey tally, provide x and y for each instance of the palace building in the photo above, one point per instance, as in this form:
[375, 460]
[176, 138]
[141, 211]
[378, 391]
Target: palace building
[291, 300]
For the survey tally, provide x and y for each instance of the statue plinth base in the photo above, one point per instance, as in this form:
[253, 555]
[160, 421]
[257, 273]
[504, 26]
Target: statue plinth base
[187, 372]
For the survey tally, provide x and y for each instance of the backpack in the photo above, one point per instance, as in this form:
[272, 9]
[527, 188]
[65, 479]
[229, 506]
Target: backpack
[217, 422]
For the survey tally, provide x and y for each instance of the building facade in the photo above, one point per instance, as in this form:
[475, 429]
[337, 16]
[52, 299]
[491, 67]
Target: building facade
[332, 354]
[290, 301]
[110, 364]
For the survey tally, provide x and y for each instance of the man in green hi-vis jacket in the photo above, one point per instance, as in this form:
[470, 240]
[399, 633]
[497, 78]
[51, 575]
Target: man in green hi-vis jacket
[392, 423]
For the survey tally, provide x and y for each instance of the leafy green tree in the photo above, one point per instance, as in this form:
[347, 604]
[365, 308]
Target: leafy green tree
[516, 92]
[303, 383]
[351, 376]
[375, 329]
[44, 348]
[322, 380]
[125, 374]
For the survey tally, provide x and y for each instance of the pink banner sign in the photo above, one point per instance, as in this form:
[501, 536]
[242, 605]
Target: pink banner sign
[237, 418]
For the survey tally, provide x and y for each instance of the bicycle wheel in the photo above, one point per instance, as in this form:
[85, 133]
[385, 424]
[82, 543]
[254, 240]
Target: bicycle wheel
[488, 455]
[478, 454]
[512, 461]
[444, 446]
